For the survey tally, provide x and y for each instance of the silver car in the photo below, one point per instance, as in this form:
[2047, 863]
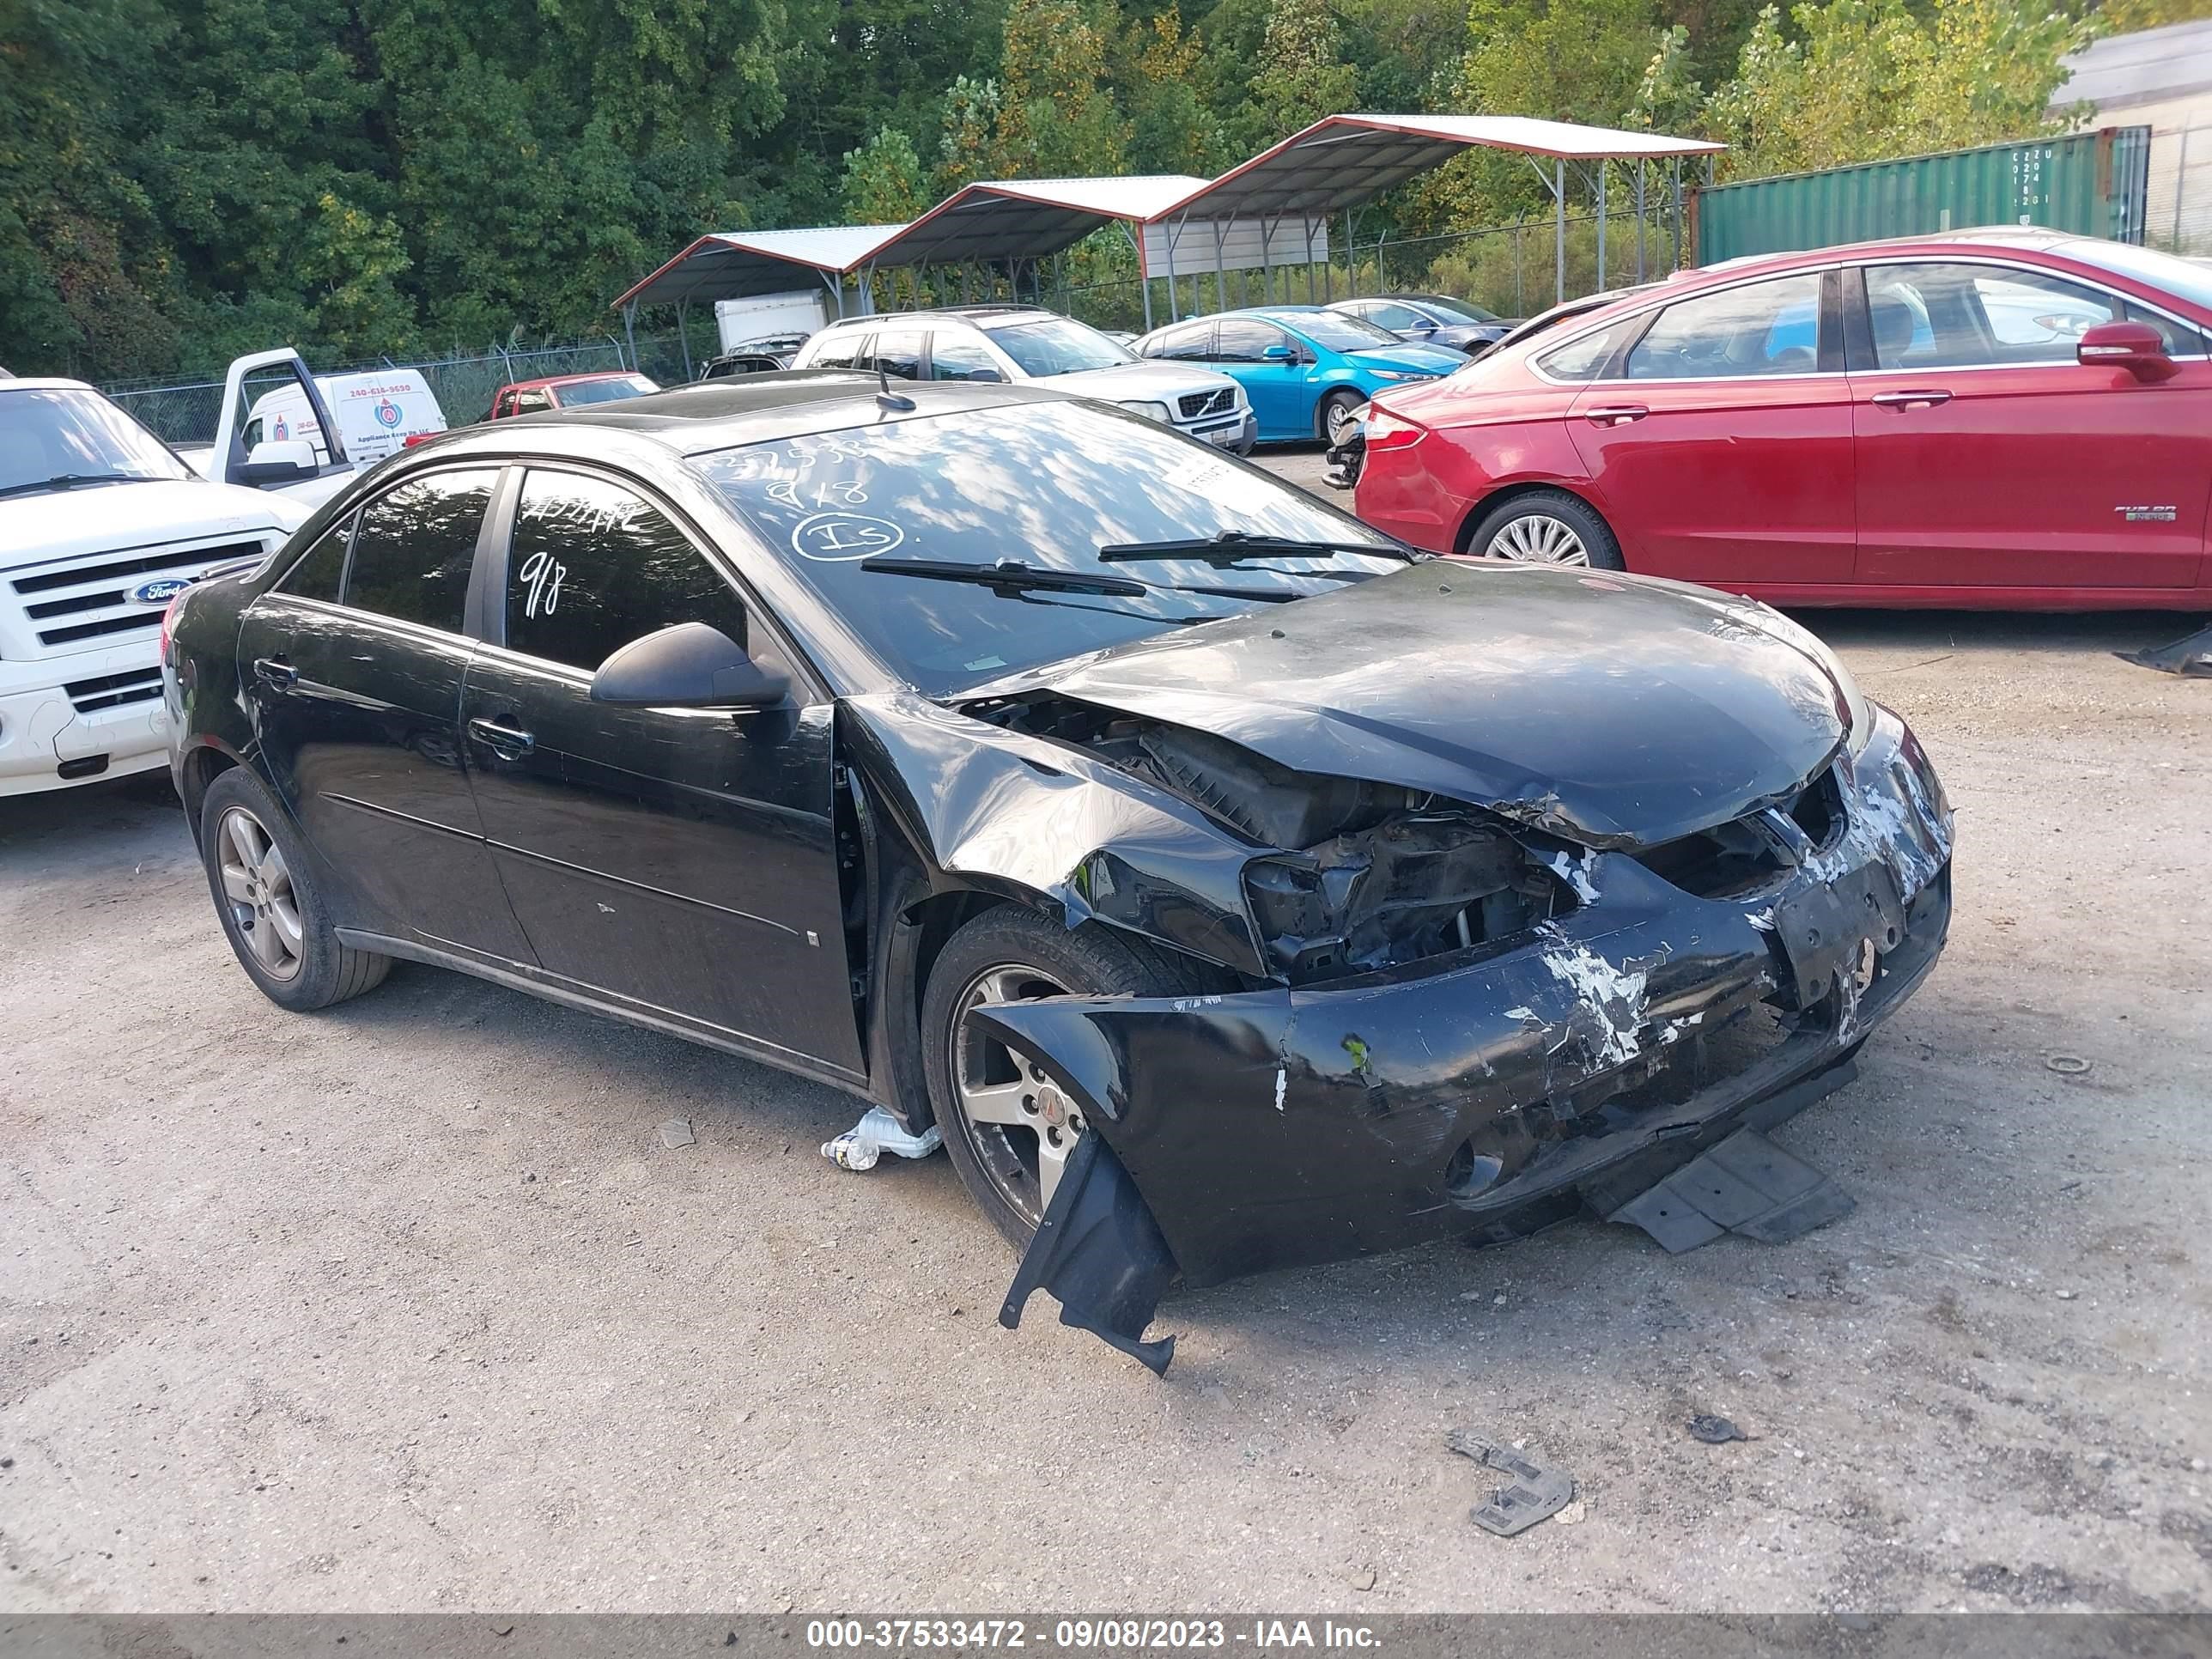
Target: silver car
[1028, 343]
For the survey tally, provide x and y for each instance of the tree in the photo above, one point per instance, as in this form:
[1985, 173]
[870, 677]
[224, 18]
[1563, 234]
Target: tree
[1056, 114]
[1302, 74]
[1865, 79]
[883, 180]
[1170, 128]
[971, 118]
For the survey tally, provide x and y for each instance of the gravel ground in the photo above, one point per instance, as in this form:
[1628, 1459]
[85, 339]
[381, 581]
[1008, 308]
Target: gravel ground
[407, 1306]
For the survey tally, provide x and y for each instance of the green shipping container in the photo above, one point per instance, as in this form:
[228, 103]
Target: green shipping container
[2088, 182]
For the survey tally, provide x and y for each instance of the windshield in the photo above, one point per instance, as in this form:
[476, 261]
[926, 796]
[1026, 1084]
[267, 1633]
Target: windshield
[579, 393]
[1056, 345]
[1045, 484]
[54, 433]
[1339, 333]
[2185, 279]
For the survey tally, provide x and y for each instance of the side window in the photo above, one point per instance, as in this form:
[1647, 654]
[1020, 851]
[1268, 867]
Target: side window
[503, 405]
[531, 403]
[843, 350]
[1244, 340]
[1588, 358]
[1394, 318]
[1760, 328]
[594, 567]
[1192, 343]
[2180, 342]
[953, 357]
[413, 545]
[2036, 318]
[897, 352]
[320, 568]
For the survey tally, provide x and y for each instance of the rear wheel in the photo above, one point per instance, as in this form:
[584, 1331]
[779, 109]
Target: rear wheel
[1339, 416]
[1008, 1129]
[272, 911]
[1547, 526]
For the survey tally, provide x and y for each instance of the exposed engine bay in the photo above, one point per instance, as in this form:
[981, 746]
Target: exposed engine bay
[1366, 876]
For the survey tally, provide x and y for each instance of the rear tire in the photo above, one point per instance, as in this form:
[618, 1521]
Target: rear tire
[1007, 1129]
[272, 911]
[1333, 421]
[1547, 526]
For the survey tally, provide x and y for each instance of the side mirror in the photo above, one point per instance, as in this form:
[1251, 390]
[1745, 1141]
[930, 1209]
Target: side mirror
[691, 665]
[986, 373]
[2136, 347]
[1279, 354]
[277, 461]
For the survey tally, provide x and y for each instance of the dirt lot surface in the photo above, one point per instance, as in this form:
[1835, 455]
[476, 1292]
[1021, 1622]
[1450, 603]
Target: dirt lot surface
[406, 1305]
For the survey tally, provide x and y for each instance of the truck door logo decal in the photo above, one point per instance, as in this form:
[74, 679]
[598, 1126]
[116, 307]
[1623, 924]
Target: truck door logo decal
[387, 413]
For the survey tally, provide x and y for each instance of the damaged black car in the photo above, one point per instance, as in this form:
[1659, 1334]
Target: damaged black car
[1232, 888]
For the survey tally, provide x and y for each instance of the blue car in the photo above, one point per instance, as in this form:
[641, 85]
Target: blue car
[1306, 371]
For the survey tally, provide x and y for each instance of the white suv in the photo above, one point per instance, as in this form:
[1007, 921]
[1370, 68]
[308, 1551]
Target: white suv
[1027, 343]
[101, 526]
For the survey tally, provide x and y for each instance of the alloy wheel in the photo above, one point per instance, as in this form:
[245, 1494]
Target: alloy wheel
[1343, 420]
[257, 886]
[1020, 1125]
[1539, 539]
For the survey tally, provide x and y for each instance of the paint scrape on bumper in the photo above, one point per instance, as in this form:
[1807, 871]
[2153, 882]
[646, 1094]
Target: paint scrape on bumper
[1490, 1091]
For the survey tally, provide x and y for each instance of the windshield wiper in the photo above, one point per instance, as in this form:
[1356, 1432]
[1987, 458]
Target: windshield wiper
[71, 480]
[1008, 576]
[1232, 545]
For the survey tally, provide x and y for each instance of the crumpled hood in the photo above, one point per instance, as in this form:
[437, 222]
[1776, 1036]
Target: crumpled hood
[61, 522]
[1614, 710]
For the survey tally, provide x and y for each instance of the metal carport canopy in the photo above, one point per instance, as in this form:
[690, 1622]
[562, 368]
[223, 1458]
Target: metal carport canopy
[730, 264]
[999, 219]
[1347, 161]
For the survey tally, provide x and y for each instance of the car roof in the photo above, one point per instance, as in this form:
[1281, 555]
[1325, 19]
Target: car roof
[42, 383]
[976, 314]
[711, 415]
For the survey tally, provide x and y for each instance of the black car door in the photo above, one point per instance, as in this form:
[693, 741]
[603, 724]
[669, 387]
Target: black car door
[682, 859]
[353, 664]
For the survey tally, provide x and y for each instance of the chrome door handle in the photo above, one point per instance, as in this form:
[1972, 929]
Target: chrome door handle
[1616, 415]
[507, 742]
[1910, 399]
[275, 670]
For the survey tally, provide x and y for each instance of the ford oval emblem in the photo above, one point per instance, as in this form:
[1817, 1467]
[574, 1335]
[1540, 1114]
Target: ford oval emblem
[159, 590]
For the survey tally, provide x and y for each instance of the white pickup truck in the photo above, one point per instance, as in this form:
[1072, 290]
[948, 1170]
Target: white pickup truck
[303, 435]
[101, 526]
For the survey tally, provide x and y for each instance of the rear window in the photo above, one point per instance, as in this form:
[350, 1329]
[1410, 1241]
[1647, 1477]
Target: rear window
[579, 393]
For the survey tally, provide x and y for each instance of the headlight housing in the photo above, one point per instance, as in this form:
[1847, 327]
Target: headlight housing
[1399, 374]
[1150, 412]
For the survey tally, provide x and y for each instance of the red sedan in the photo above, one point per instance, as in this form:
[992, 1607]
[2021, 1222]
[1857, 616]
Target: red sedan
[567, 392]
[1999, 418]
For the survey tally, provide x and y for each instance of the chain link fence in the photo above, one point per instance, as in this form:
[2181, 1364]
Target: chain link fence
[185, 412]
[1512, 270]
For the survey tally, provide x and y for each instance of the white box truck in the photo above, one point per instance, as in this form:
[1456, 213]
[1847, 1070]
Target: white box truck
[770, 317]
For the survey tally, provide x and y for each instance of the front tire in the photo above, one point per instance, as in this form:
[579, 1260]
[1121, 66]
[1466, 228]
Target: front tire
[1008, 1129]
[1547, 526]
[1340, 414]
[272, 911]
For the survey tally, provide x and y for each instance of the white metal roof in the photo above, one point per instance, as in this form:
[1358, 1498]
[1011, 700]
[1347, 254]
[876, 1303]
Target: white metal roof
[1346, 161]
[1029, 218]
[729, 265]
[2147, 67]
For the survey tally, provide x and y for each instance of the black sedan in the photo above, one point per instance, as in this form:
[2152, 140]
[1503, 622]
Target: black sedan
[1233, 888]
[1432, 320]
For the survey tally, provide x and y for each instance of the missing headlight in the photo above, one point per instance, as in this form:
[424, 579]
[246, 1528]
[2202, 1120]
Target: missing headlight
[1413, 886]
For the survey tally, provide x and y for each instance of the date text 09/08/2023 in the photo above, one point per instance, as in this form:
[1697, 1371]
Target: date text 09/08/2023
[1089, 1635]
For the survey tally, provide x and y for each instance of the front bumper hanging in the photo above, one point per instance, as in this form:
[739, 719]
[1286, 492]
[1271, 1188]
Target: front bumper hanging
[1624, 1060]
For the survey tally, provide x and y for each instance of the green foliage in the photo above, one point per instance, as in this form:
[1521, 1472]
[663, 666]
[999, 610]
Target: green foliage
[1858, 80]
[184, 179]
